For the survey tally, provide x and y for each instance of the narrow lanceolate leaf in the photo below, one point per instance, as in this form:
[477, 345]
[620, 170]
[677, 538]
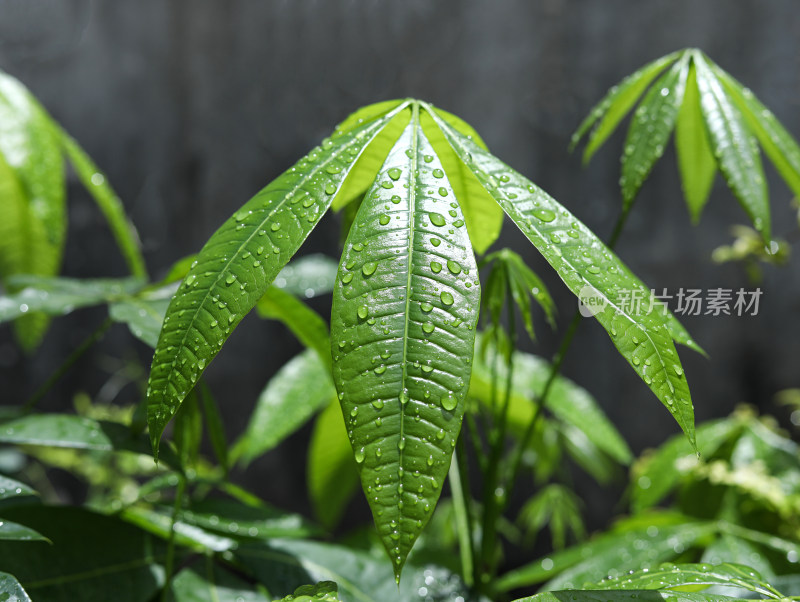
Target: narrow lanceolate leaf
[10, 531]
[667, 576]
[641, 332]
[308, 276]
[616, 104]
[695, 157]
[779, 145]
[588, 595]
[143, 313]
[404, 308]
[300, 388]
[650, 129]
[237, 265]
[734, 147]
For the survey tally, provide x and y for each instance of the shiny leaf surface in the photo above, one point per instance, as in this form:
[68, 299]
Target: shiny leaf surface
[212, 583]
[696, 161]
[642, 334]
[238, 263]
[404, 311]
[11, 589]
[650, 129]
[734, 147]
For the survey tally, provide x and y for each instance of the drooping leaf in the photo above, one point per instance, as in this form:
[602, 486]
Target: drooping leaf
[12, 590]
[696, 161]
[483, 216]
[734, 147]
[644, 336]
[327, 591]
[59, 296]
[308, 276]
[331, 473]
[239, 262]
[80, 564]
[407, 285]
[212, 583]
[658, 473]
[650, 129]
[616, 104]
[777, 143]
[301, 387]
[611, 553]
[670, 575]
[569, 402]
[306, 324]
[143, 313]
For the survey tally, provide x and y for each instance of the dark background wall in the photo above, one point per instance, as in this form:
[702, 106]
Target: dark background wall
[191, 106]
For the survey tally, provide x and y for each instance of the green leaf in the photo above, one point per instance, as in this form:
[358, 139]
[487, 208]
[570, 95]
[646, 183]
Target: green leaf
[11, 589]
[59, 296]
[238, 263]
[611, 553]
[361, 576]
[160, 523]
[571, 403]
[66, 430]
[211, 584]
[650, 129]
[10, 531]
[306, 324]
[143, 313]
[655, 475]
[616, 104]
[216, 429]
[11, 488]
[331, 473]
[696, 160]
[301, 387]
[777, 143]
[246, 522]
[728, 548]
[80, 564]
[407, 285]
[555, 506]
[326, 591]
[308, 276]
[734, 147]
[482, 215]
[675, 575]
[96, 183]
[626, 596]
[587, 267]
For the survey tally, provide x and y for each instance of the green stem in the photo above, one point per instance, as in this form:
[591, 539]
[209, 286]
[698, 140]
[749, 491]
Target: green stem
[492, 502]
[555, 369]
[73, 357]
[461, 508]
[169, 564]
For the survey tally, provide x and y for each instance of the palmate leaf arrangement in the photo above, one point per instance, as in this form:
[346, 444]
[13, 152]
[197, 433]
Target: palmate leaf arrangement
[421, 195]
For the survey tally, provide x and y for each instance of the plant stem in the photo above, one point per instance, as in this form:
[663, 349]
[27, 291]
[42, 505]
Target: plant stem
[461, 505]
[555, 369]
[492, 502]
[169, 564]
[73, 357]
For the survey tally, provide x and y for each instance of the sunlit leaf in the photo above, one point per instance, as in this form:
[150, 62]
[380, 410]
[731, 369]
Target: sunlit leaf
[237, 265]
[407, 284]
[11, 589]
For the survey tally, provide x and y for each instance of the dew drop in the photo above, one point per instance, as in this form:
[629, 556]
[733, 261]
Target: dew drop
[446, 298]
[449, 402]
[394, 173]
[544, 215]
[454, 267]
[428, 327]
[368, 269]
[383, 219]
[437, 219]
